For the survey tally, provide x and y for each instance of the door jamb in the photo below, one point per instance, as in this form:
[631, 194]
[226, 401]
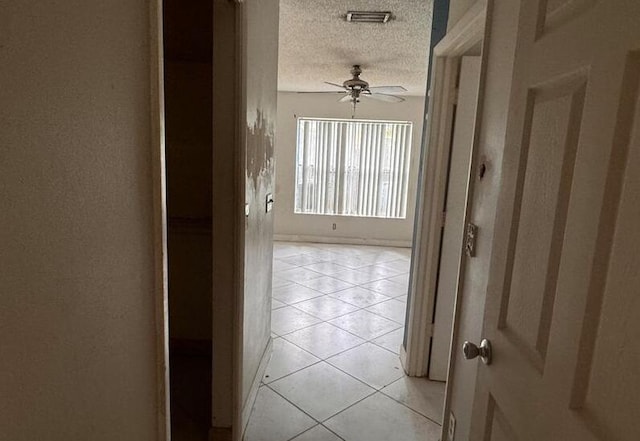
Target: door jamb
[159, 181]
[469, 31]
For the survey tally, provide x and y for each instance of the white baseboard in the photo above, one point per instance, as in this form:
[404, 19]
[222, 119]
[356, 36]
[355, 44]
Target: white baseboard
[342, 240]
[253, 392]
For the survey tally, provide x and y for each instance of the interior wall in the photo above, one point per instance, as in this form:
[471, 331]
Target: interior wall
[457, 8]
[77, 284]
[260, 77]
[289, 225]
[245, 58]
[226, 221]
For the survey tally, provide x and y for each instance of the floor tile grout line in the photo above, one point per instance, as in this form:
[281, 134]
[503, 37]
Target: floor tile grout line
[387, 333]
[305, 327]
[359, 336]
[302, 433]
[382, 347]
[292, 403]
[332, 355]
[345, 350]
[341, 315]
[358, 285]
[338, 436]
[380, 315]
[406, 405]
[350, 406]
[337, 367]
[388, 298]
[346, 268]
[313, 289]
[311, 428]
[362, 381]
[358, 308]
[331, 295]
[375, 390]
[313, 418]
[296, 371]
[329, 322]
[325, 359]
[393, 399]
[324, 319]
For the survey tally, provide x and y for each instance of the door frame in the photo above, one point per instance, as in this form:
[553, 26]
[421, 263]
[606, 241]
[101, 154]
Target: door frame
[469, 31]
[159, 189]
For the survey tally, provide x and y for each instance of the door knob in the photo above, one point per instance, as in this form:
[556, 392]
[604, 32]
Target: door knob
[472, 351]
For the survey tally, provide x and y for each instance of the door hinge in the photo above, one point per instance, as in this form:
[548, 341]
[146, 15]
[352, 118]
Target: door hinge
[443, 219]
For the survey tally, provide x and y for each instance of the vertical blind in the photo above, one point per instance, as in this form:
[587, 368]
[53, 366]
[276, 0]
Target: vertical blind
[352, 167]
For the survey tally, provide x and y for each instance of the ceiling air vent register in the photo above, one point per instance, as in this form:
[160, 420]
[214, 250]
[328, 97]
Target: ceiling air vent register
[368, 16]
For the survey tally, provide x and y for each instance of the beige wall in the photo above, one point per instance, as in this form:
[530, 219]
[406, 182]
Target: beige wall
[244, 115]
[259, 119]
[77, 292]
[228, 198]
[355, 229]
[457, 8]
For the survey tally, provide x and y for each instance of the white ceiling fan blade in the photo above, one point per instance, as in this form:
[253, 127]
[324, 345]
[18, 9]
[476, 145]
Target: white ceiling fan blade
[383, 97]
[387, 89]
[345, 99]
[334, 84]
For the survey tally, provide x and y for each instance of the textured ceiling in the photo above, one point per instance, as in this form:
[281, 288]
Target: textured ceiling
[317, 44]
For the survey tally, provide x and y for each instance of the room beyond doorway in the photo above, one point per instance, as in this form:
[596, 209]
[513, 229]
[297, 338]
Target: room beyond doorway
[337, 324]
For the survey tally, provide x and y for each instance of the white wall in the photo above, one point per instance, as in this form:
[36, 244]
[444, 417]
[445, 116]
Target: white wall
[77, 278]
[354, 229]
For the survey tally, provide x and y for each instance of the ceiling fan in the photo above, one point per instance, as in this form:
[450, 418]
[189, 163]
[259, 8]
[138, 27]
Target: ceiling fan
[355, 88]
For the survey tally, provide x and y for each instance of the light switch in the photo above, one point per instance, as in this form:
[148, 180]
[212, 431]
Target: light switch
[269, 202]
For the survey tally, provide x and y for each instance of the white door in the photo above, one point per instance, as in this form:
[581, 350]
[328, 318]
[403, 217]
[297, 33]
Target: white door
[456, 199]
[563, 300]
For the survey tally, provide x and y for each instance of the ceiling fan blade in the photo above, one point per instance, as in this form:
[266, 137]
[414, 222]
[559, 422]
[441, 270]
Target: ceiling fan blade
[345, 99]
[334, 84]
[383, 97]
[387, 89]
[331, 91]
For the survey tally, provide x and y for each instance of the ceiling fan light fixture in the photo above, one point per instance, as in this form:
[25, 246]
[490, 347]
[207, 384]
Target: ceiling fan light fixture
[368, 16]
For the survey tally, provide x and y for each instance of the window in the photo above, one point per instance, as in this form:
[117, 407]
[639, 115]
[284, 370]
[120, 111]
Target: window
[352, 167]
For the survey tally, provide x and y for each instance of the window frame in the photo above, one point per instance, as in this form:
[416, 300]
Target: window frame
[403, 182]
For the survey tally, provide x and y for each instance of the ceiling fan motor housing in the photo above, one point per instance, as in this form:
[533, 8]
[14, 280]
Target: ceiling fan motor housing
[356, 84]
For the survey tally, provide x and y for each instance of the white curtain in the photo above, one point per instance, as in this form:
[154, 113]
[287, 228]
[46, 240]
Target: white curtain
[352, 167]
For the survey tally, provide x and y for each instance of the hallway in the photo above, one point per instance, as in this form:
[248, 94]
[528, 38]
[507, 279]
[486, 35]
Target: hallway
[337, 324]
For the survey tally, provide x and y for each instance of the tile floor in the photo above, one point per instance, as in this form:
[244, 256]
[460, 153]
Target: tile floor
[337, 323]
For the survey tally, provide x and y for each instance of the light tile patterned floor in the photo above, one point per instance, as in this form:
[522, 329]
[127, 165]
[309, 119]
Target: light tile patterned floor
[337, 323]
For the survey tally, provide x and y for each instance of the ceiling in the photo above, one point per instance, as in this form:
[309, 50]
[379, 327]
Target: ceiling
[317, 44]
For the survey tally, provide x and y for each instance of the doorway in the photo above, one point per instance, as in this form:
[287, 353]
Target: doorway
[351, 281]
[188, 39]
[321, 337]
